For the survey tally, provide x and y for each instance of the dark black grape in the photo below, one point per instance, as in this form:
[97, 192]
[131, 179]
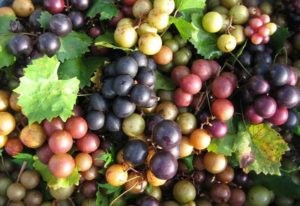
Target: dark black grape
[127, 65]
[164, 165]
[288, 96]
[34, 19]
[258, 85]
[122, 85]
[98, 102]
[146, 77]
[54, 6]
[292, 121]
[135, 152]
[48, 43]
[241, 178]
[19, 70]
[262, 57]
[109, 70]
[123, 107]
[16, 26]
[246, 59]
[20, 45]
[148, 201]
[265, 106]
[89, 188]
[112, 123]
[77, 19]
[60, 24]
[256, 48]
[80, 4]
[140, 94]
[152, 101]
[107, 88]
[279, 74]
[140, 58]
[151, 122]
[95, 120]
[166, 134]
[261, 69]
[151, 64]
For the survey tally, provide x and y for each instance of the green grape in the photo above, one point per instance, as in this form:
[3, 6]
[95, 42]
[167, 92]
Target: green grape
[259, 196]
[240, 14]
[141, 8]
[125, 21]
[167, 6]
[238, 33]
[150, 43]
[226, 43]
[212, 4]
[266, 8]
[229, 3]
[212, 22]
[221, 10]
[62, 193]
[125, 36]
[180, 40]
[4, 184]
[167, 36]
[184, 191]
[134, 125]
[181, 57]
[172, 44]
[226, 23]
[145, 28]
[158, 19]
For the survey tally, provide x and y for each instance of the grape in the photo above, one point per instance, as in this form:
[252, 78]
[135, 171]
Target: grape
[48, 43]
[265, 106]
[13, 147]
[33, 136]
[279, 74]
[89, 143]
[16, 192]
[166, 134]
[5, 183]
[140, 58]
[163, 165]
[77, 19]
[154, 181]
[3, 140]
[20, 45]
[114, 21]
[258, 85]
[80, 4]
[185, 147]
[112, 123]
[226, 176]
[252, 116]
[288, 96]
[231, 77]
[77, 127]
[158, 19]
[229, 3]
[181, 57]
[212, 22]
[137, 184]
[22, 8]
[129, 2]
[44, 154]
[90, 174]
[61, 165]
[150, 43]
[237, 198]
[122, 107]
[140, 94]
[34, 198]
[164, 56]
[191, 84]
[214, 163]
[94, 31]
[116, 175]
[246, 59]
[222, 87]
[240, 14]
[146, 77]
[238, 33]
[126, 65]
[51, 126]
[179, 72]
[272, 27]
[60, 142]
[222, 109]
[146, 28]
[148, 201]
[151, 64]
[200, 139]
[89, 188]
[134, 125]
[167, 110]
[83, 161]
[60, 24]
[184, 191]
[98, 103]
[30, 179]
[122, 85]
[107, 88]
[257, 39]
[220, 192]
[293, 76]
[292, 121]
[280, 116]
[62, 193]
[202, 68]
[4, 100]
[54, 6]
[33, 19]
[217, 129]
[125, 36]
[255, 23]
[172, 44]
[167, 6]
[141, 8]
[259, 195]
[135, 152]
[181, 98]
[187, 122]
[226, 43]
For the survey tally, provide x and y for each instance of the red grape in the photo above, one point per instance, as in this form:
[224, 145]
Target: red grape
[231, 77]
[178, 73]
[13, 147]
[222, 87]
[217, 129]
[222, 109]
[255, 23]
[265, 18]
[264, 31]
[181, 98]
[215, 67]
[53, 125]
[202, 68]
[248, 31]
[54, 6]
[44, 154]
[280, 116]
[265, 106]
[191, 84]
[89, 143]
[77, 127]
[266, 39]
[61, 165]
[256, 39]
[252, 116]
[60, 142]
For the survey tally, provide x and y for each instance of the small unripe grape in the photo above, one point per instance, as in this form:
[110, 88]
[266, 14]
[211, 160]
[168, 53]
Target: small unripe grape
[272, 26]
[238, 33]
[141, 8]
[125, 36]
[158, 19]
[226, 43]
[229, 3]
[221, 10]
[150, 43]
[145, 28]
[167, 6]
[240, 14]
[212, 22]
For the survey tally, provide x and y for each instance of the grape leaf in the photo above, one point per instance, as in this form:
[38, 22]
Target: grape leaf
[278, 39]
[81, 68]
[101, 200]
[259, 148]
[5, 23]
[43, 95]
[44, 19]
[205, 43]
[164, 82]
[188, 161]
[106, 8]
[74, 45]
[109, 189]
[184, 27]
[107, 40]
[54, 182]
[187, 7]
[22, 157]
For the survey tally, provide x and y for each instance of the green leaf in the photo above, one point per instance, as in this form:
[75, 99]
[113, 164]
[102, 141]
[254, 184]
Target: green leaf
[106, 8]
[281, 185]
[107, 40]
[44, 19]
[43, 95]
[74, 45]
[184, 27]
[187, 7]
[6, 58]
[205, 43]
[188, 161]
[81, 68]
[101, 200]
[109, 189]
[54, 182]
[259, 148]
[107, 158]
[164, 82]
[1, 152]
[278, 39]
[5, 23]
[22, 157]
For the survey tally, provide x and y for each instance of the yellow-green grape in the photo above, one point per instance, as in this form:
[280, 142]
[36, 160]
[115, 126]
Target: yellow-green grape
[141, 8]
[221, 10]
[125, 36]
[226, 43]
[212, 22]
[167, 6]
[125, 21]
[134, 125]
[145, 28]
[158, 19]
[272, 26]
[226, 24]
[229, 3]
[3, 140]
[150, 43]
[238, 33]
[240, 14]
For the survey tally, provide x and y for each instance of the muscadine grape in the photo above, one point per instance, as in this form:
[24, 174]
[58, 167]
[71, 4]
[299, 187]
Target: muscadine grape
[239, 13]
[264, 31]
[134, 125]
[293, 76]
[185, 147]
[212, 22]
[229, 3]
[191, 84]
[200, 139]
[128, 2]
[153, 180]
[167, 6]
[178, 73]
[222, 109]
[255, 23]
[146, 28]
[60, 142]
[4, 100]
[202, 68]
[136, 184]
[265, 106]
[226, 43]
[215, 67]
[248, 31]
[51, 126]
[214, 163]
[13, 147]
[125, 21]
[44, 154]
[231, 77]
[238, 33]
[252, 116]
[257, 39]
[89, 143]
[3, 140]
[54, 6]
[181, 98]
[125, 36]
[217, 129]
[141, 8]
[77, 127]
[150, 43]
[272, 27]
[33, 136]
[164, 56]
[158, 19]
[83, 161]
[222, 87]
[280, 116]
[61, 165]
[266, 39]
[7, 123]
[116, 175]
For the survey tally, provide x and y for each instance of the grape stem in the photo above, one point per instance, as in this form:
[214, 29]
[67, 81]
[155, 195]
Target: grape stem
[24, 164]
[236, 59]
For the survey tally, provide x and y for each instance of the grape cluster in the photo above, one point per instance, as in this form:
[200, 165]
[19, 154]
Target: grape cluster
[152, 18]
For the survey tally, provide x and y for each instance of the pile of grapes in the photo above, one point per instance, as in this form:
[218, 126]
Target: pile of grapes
[149, 103]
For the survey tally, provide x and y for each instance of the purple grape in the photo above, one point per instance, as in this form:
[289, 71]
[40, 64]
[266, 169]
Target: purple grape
[60, 24]
[258, 85]
[135, 152]
[265, 106]
[164, 165]
[148, 201]
[217, 129]
[279, 74]
[20, 45]
[151, 122]
[288, 96]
